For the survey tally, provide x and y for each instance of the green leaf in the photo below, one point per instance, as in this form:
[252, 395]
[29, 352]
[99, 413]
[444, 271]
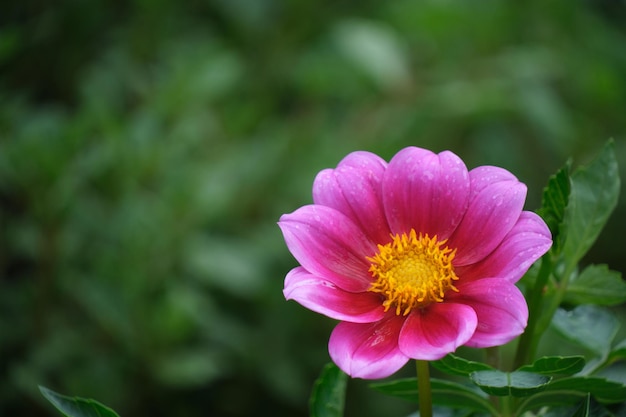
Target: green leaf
[554, 201]
[556, 365]
[517, 383]
[455, 365]
[329, 393]
[613, 371]
[551, 398]
[610, 366]
[598, 285]
[603, 390]
[593, 196]
[588, 326]
[618, 352]
[444, 393]
[75, 406]
[583, 409]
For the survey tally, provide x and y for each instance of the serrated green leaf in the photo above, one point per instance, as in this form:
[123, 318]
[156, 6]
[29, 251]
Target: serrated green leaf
[444, 393]
[588, 326]
[329, 393]
[455, 365]
[517, 383]
[593, 196]
[598, 285]
[553, 203]
[556, 365]
[76, 406]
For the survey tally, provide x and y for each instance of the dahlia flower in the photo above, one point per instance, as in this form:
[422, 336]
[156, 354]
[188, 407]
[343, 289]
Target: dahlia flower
[414, 257]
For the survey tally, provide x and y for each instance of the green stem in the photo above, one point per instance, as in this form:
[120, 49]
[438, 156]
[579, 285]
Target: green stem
[554, 303]
[423, 389]
[505, 406]
[529, 340]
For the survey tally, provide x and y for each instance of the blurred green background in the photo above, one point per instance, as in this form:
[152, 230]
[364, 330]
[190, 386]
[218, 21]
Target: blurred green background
[147, 149]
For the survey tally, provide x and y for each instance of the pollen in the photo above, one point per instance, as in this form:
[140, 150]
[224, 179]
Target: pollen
[412, 271]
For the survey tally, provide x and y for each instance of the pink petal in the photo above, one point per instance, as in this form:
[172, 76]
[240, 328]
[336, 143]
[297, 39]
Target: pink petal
[485, 175]
[425, 191]
[324, 297]
[528, 240]
[440, 329]
[329, 245]
[354, 188]
[491, 214]
[500, 307]
[368, 350]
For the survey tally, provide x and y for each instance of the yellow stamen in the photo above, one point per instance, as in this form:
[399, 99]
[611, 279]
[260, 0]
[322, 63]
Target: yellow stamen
[412, 271]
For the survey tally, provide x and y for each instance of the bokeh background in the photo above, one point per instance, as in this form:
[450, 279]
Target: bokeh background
[148, 147]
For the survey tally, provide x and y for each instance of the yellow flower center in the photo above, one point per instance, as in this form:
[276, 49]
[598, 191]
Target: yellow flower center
[412, 271]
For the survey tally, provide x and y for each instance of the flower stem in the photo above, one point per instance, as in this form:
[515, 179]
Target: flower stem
[505, 406]
[529, 340]
[423, 389]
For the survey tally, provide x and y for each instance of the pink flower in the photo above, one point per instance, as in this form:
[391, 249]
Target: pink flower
[415, 257]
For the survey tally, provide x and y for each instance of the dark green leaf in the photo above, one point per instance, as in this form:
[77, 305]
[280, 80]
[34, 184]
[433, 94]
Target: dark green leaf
[444, 393]
[601, 410]
[75, 406]
[329, 393]
[591, 327]
[554, 201]
[583, 409]
[564, 404]
[455, 365]
[570, 391]
[593, 196]
[605, 391]
[517, 383]
[551, 398]
[556, 365]
[597, 284]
